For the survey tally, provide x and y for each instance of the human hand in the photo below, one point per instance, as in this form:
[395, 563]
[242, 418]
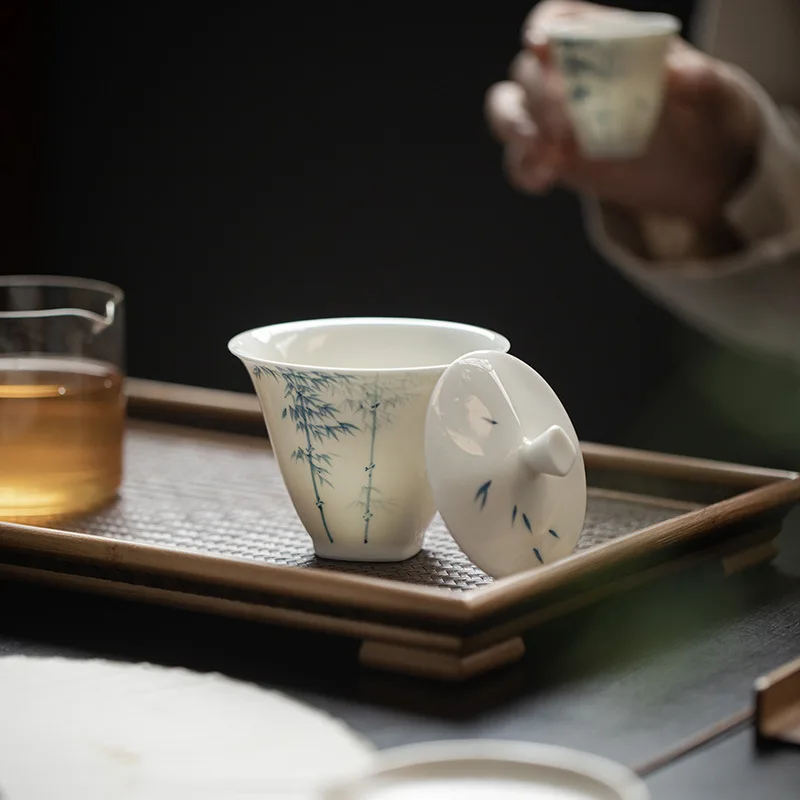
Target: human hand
[700, 153]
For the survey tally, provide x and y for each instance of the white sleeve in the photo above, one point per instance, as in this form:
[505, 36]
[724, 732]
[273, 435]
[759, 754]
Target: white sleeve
[750, 297]
[768, 206]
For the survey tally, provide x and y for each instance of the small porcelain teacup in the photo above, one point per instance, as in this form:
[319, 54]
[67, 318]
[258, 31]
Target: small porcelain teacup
[345, 402]
[612, 65]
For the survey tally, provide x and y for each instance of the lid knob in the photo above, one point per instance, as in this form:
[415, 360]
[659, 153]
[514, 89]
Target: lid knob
[550, 453]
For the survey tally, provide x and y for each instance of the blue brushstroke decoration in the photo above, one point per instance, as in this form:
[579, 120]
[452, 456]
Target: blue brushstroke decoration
[580, 92]
[370, 468]
[318, 403]
[482, 494]
[315, 419]
[374, 402]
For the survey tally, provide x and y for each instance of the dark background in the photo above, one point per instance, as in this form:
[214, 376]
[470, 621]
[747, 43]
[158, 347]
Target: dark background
[233, 165]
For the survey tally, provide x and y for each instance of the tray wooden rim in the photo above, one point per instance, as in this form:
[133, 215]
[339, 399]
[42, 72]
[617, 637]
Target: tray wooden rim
[761, 489]
[180, 401]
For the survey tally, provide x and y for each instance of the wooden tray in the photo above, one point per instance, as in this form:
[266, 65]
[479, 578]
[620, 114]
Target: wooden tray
[204, 522]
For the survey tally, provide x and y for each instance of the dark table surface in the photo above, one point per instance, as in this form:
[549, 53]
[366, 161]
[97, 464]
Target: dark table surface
[636, 677]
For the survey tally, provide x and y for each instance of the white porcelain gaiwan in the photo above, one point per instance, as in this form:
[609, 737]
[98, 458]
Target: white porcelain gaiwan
[378, 422]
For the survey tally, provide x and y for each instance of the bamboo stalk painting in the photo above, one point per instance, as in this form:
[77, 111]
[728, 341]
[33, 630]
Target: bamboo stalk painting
[325, 407]
[374, 401]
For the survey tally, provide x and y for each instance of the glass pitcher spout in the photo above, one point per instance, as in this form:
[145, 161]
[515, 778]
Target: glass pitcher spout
[99, 322]
[78, 316]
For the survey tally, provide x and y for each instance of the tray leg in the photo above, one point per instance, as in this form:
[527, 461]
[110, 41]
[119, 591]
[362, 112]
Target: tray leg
[758, 551]
[439, 665]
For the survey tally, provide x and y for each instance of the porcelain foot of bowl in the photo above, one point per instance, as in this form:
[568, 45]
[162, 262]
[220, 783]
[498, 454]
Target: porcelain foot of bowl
[357, 552]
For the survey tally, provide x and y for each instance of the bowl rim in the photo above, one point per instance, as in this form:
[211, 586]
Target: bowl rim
[405, 760]
[613, 25]
[236, 343]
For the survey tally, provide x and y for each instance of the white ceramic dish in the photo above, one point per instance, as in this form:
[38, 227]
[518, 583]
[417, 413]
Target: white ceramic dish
[490, 770]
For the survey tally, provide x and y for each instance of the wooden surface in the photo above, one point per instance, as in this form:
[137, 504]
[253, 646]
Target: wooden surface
[645, 678]
[736, 768]
[778, 704]
[181, 536]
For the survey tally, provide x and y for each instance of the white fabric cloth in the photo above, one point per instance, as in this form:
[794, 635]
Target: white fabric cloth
[86, 730]
[750, 297]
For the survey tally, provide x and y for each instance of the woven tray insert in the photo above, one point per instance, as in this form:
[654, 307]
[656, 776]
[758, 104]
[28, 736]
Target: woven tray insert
[222, 494]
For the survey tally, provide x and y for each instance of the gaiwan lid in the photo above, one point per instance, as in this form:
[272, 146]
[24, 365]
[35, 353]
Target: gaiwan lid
[504, 464]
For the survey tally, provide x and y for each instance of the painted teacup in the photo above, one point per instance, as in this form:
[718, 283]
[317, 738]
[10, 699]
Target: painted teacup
[345, 403]
[612, 66]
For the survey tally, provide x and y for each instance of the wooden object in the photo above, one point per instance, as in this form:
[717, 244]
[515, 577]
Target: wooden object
[778, 704]
[204, 523]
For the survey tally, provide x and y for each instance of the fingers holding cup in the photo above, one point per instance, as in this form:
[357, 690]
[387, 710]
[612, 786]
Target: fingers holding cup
[526, 157]
[543, 96]
[507, 113]
[528, 168]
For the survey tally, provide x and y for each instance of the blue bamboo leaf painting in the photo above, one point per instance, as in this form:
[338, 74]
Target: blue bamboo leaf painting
[580, 92]
[482, 494]
[574, 65]
[582, 58]
[315, 419]
[538, 552]
[328, 407]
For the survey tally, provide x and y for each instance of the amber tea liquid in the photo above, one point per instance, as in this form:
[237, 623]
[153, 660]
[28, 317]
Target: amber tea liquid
[61, 431]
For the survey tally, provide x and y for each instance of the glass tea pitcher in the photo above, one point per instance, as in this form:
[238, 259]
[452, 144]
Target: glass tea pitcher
[62, 407]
